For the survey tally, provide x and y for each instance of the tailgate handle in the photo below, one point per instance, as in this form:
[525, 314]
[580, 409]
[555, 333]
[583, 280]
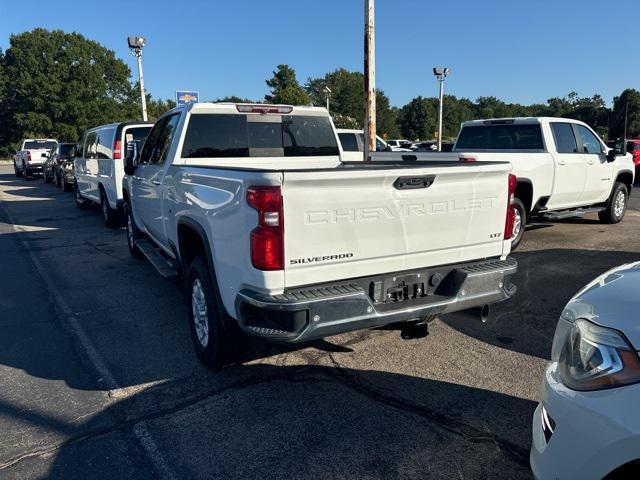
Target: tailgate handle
[409, 183]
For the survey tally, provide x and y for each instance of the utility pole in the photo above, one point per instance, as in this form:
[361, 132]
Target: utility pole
[369, 79]
[440, 73]
[136, 44]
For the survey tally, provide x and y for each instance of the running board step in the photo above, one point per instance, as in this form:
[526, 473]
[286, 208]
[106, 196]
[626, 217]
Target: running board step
[165, 267]
[572, 213]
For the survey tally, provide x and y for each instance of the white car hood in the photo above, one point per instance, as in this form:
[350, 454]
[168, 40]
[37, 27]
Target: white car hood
[611, 300]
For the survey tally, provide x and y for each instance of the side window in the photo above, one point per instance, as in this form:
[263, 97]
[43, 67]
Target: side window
[564, 138]
[349, 142]
[90, 145]
[150, 143]
[104, 145]
[589, 141]
[164, 141]
[380, 146]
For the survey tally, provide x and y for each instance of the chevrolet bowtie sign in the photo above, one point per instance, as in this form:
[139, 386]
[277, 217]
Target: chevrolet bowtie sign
[184, 97]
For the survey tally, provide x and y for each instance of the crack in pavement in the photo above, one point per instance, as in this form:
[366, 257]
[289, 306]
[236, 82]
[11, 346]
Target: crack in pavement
[457, 427]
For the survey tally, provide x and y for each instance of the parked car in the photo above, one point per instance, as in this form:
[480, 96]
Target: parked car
[564, 169]
[352, 142]
[61, 152]
[32, 155]
[425, 147]
[633, 147]
[65, 177]
[587, 424]
[277, 237]
[99, 169]
[399, 145]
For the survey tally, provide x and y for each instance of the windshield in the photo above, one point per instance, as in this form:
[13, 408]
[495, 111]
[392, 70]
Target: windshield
[39, 144]
[501, 137]
[222, 135]
[137, 133]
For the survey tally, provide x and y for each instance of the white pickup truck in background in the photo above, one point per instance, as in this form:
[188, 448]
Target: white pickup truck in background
[32, 155]
[276, 235]
[563, 168]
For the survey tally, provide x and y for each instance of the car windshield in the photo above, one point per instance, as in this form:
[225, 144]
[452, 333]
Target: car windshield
[39, 144]
[137, 133]
[501, 137]
[231, 135]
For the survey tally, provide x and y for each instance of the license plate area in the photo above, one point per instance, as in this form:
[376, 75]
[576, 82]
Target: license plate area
[404, 288]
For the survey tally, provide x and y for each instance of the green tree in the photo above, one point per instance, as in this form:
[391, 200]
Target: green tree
[62, 84]
[632, 97]
[285, 88]
[347, 99]
[417, 119]
[233, 99]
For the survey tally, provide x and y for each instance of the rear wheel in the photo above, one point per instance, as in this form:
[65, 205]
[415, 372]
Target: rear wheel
[16, 170]
[214, 342]
[66, 186]
[47, 177]
[616, 205]
[109, 215]
[519, 223]
[25, 170]
[133, 233]
[81, 203]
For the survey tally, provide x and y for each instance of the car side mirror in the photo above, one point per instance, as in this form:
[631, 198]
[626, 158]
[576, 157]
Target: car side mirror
[611, 155]
[45, 155]
[132, 157]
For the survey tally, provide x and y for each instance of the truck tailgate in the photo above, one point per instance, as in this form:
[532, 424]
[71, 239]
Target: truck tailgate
[372, 219]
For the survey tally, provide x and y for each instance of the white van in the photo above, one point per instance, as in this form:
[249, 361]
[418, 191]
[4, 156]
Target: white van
[352, 142]
[99, 167]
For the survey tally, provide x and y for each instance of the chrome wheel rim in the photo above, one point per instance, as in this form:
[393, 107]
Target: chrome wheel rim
[517, 224]
[619, 205]
[199, 310]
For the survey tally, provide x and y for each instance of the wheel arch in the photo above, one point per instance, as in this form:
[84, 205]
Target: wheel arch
[626, 177]
[524, 191]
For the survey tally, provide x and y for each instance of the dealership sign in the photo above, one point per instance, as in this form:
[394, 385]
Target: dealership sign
[184, 97]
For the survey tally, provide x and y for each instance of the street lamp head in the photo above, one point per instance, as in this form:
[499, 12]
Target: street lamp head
[441, 71]
[137, 42]
[327, 89]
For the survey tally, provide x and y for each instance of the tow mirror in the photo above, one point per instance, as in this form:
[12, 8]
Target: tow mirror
[611, 155]
[620, 148]
[45, 155]
[131, 158]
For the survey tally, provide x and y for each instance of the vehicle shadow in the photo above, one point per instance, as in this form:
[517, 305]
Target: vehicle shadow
[264, 421]
[546, 281]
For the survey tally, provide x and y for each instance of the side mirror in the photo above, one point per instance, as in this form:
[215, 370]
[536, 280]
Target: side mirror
[45, 155]
[131, 158]
[611, 155]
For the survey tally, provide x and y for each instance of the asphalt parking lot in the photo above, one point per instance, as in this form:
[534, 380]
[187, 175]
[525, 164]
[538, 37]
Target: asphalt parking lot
[98, 378]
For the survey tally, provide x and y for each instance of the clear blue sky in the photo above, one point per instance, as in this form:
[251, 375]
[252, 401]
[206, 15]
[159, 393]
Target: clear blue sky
[518, 50]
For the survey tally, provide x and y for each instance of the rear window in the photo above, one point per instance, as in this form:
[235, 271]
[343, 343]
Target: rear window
[37, 144]
[137, 133]
[66, 149]
[349, 142]
[501, 137]
[220, 135]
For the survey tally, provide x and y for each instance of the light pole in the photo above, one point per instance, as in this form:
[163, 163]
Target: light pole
[369, 79]
[440, 73]
[136, 44]
[327, 92]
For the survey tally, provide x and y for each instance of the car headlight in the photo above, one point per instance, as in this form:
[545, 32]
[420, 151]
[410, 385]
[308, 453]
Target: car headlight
[592, 357]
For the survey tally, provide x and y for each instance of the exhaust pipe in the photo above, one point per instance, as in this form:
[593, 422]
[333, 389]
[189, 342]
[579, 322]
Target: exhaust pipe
[478, 312]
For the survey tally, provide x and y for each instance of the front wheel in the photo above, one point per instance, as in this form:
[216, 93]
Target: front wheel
[213, 341]
[616, 206]
[519, 223]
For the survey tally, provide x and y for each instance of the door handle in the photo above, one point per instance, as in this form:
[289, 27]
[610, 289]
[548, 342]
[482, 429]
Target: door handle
[561, 162]
[156, 182]
[590, 162]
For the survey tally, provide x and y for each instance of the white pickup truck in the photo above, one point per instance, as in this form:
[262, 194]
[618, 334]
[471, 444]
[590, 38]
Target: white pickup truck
[563, 168]
[32, 155]
[274, 234]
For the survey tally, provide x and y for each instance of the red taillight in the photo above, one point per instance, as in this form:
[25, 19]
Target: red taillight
[508, 224]
[117, 150]
[28, 156]
[267, 239]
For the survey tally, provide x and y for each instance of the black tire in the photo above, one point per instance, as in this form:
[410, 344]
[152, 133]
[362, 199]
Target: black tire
[221, 343]
[66, 186]
[25, 170]
[519, 223]
[616, 205]
[109, 215]
[81, 203]
[16, 170]
[133, 233]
